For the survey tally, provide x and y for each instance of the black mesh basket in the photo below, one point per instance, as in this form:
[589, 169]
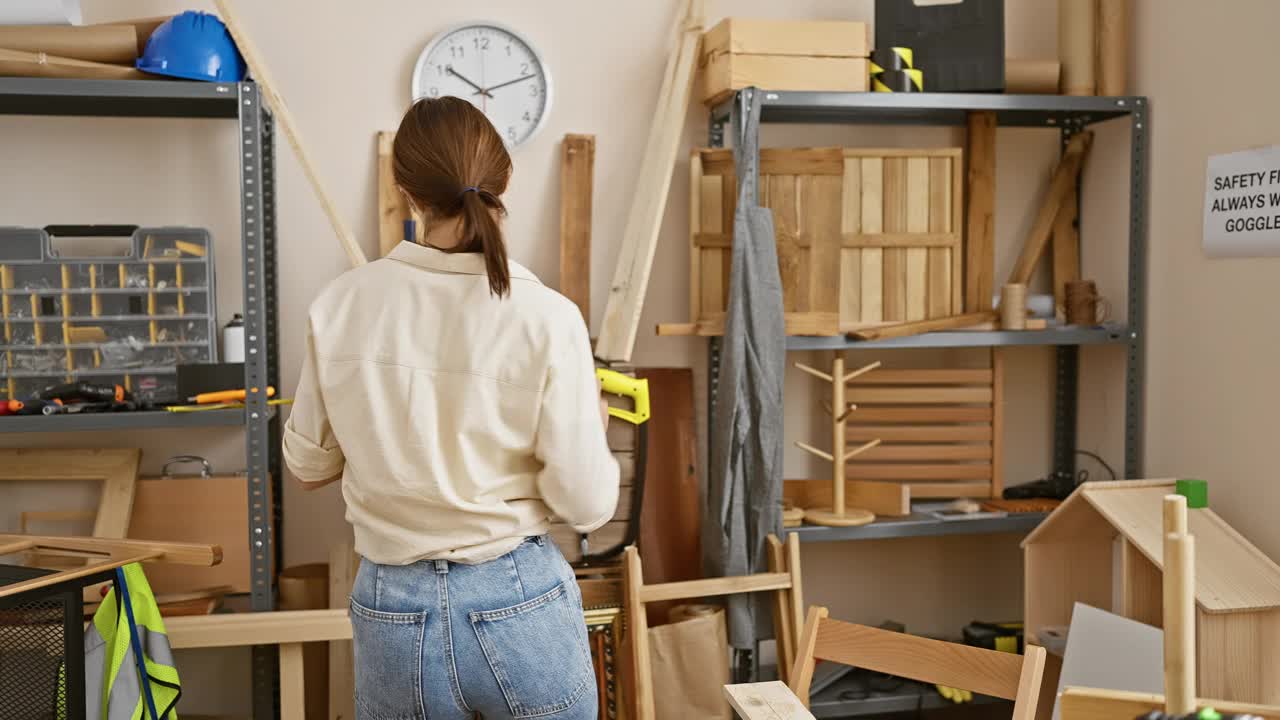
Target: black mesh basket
[42, 647]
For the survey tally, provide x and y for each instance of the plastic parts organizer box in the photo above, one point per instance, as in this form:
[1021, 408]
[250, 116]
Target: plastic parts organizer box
[107, 304]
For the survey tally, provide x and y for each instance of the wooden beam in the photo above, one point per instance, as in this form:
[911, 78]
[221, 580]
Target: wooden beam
[257, 628]
[980, 239]
[710, 587]
[343, 563]
[267, 86]
[770, 700]
[577, 172]
[1064, 178]
[638, 622]
[644, 221]
[1079, 703]
[117, 469]
[1066, 248]
[923, 326]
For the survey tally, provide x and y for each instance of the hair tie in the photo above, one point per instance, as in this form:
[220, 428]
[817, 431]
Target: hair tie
[469, 188]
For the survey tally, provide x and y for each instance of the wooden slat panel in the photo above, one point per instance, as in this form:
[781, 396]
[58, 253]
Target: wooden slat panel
[695, 227]
[981, 671]
[729, 205]
[939, 280]
[895, 221]
[957, 228]
[914, 395]
[903, 471]
[710, 219]
[917, 222]
[901, 240]
[921, 414]
[978, 376]
[820, 218]
[1097, 704]
[783, 201]
[920, 433]
[926, 452]
[997, 422]
[780, 161]
[851, 259]
[872, 222]
[607, 536]
[947, 152]
[927, 490]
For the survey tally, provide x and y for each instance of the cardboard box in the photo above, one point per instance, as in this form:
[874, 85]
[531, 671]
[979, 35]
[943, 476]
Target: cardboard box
[798, 55]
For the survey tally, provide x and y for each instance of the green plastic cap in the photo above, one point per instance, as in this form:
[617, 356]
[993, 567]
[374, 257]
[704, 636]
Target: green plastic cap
[1209, 713]
[1195, 491]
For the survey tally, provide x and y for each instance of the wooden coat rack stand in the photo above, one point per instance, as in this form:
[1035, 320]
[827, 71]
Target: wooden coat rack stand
[838, 515]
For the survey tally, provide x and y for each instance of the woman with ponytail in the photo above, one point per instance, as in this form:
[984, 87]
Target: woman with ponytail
[455, 398]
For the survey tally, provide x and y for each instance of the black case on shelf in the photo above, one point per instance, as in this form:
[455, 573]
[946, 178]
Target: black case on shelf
[959, 46]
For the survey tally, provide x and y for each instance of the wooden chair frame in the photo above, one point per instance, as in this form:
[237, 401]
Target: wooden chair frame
[999, 674]
[116, 469]
[783, 578]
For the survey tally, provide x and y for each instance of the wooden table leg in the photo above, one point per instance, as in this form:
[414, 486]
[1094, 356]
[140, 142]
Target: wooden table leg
[293, 700]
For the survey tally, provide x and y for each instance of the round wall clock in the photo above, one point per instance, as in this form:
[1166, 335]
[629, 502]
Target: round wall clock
[494, 68]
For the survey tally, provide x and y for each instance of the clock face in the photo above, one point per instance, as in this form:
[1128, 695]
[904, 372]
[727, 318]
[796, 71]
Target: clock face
[493, 68]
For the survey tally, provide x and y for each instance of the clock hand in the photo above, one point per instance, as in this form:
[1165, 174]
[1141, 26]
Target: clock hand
[449, 69]
[495, 87]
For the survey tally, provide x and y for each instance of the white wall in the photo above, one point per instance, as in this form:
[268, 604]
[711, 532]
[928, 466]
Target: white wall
[344, 68]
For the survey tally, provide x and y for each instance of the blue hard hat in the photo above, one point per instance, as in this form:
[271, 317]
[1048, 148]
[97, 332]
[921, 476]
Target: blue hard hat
[194, 46]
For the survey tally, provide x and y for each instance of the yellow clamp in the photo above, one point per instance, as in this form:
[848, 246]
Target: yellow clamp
[615, 383]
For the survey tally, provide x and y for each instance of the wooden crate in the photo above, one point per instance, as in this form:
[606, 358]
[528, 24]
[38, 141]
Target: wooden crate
[783, 55]
[939, 430]
[865, 237]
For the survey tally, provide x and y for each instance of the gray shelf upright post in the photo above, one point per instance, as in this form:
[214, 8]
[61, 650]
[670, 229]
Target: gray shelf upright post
[1066, 386]
[257, 423]
[1136, 353]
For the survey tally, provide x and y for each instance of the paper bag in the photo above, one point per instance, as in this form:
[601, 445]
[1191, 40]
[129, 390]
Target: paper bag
[690, 662]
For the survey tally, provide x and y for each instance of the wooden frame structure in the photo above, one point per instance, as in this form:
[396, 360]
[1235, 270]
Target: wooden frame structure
[116, 469]
[999, 674]
[1109, 530]
[100, 554]
[1179, 583]
[788, 605]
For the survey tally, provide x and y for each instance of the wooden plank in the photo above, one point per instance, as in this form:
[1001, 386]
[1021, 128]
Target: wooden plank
[926, 453]
[266, 84]
[920, 433]
[783, 199]
[713, 262]
[638, 622]
[895, 221]
[1142, 594]
[1237, 654]
[851, 258]
[1028, 695]
[1064, 178]
[695, 227]
[904, 471]
[117, 469]
[779, 161]
[881, 498]
[771, 700]
[577, 176]
[1066, 247]
[797, 583]
[931, 240]
[919, 395]
[293, 698]
[957, 228]
[821, 218]
[922, 415]
[343, 564]
[938, 376]
[712, 587]
[872, 286]
[997, 423]
[930, 490]
[257, 628]
[983, 671]
[670, 524]
[802, 671]
[1060, 574]
[922, 326]
[1097, 704]
[782, 625]
[917, 259]
[644, 220]
[980, 234]
[940, 258]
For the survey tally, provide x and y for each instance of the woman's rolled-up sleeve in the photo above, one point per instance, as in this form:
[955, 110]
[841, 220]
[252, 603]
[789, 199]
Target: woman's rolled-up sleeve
[310, 449]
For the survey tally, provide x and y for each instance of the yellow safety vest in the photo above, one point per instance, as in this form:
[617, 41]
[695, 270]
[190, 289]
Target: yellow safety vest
[114, 688]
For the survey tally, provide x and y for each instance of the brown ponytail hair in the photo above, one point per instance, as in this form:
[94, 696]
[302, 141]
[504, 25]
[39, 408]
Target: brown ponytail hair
[451, 162]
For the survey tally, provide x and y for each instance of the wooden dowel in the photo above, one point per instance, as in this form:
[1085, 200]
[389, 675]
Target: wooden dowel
[837, 433]
[861, 371]
[809, 448]
[1179, 624]
[814, 372]
[1175, 514]
[861, 449]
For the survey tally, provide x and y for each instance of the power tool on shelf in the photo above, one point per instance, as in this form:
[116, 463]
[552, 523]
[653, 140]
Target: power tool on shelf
[637, 389]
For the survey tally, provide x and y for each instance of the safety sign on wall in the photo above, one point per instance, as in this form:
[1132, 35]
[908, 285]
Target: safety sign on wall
[1242, 204]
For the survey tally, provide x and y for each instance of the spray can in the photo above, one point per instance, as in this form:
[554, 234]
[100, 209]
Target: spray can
[233, 340]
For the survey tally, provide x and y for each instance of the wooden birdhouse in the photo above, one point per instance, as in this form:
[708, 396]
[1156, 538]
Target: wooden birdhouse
[1104, 547]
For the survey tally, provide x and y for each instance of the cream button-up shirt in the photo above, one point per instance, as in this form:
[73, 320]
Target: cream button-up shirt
[460, 423]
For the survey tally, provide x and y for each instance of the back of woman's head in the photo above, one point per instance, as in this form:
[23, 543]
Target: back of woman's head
[452, 163]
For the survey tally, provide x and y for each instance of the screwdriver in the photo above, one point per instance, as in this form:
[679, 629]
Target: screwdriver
[223, 396]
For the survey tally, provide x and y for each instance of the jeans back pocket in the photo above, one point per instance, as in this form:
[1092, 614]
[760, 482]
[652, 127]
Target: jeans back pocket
[388, 663]
[538, 652]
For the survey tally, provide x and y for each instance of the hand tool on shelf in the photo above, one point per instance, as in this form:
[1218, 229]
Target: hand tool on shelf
[221, 406]
[615, 383]
[84, 392]
[225, 396]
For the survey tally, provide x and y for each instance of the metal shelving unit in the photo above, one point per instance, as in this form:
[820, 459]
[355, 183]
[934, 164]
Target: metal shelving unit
[1065, 114]
[256, 159]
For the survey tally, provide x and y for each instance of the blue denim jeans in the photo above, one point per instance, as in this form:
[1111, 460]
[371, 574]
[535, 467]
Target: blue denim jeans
[445, 641]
